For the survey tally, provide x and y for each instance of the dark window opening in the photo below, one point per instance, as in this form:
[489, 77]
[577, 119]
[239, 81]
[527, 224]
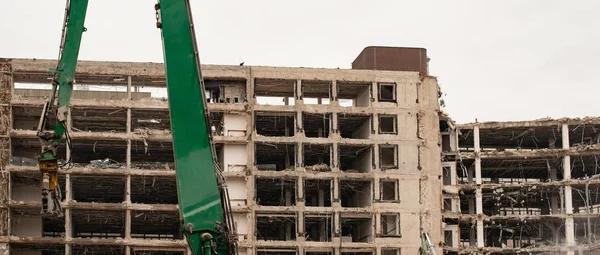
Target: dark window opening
[317, 192]
[275, 227]
[387, 92]
[275, 123]
[317, 157]
[275, 191]
[275, 157]
[388, 124]
[388, 156]
[355, 193]
[389, 190]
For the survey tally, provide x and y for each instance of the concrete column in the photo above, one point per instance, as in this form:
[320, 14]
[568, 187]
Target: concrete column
[300, 227]
[478, 195]
[300, 190]
[334, 158]
[569, 225]
[336, 189]
[374, 93]
[299, 156]
[298, 95]
[299, 123]
[376, 189]
[334, 123]
[334, 95]
[477, 156]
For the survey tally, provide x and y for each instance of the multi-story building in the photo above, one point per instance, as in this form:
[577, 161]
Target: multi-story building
[317, 161]
[528, 187]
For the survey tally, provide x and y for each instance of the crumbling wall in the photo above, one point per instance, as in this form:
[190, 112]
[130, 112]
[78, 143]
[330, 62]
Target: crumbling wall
[5, 119]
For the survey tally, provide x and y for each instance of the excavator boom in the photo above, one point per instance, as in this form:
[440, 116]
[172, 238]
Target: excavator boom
[204, 206]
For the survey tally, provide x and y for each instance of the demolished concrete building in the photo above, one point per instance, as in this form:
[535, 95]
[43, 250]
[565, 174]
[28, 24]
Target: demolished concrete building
[318, 161]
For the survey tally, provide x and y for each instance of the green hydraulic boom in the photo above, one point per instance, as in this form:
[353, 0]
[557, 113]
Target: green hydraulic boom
[204, 207]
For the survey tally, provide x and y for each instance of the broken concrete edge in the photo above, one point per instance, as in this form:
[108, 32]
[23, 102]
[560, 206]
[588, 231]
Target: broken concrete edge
[584, 150]
[594, 120]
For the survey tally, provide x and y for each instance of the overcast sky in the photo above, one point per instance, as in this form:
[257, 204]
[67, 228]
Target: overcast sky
[495, 60]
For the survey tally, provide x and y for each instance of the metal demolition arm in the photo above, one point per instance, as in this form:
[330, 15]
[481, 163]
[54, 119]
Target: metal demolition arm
[203, 198]
[62, 83]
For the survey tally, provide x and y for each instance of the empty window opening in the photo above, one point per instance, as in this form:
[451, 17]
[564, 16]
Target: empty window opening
[225, 91]
[275, 191]
[448, 204]
[318, 228]
[156, 119]
[388, 124]
[274, 91]
[153, 190]
[446, 147]
[388, 156]
[152, 155]
[26, 186]
[354, 126]
[357, 228]
[448, 238]
[27, 118]
[355, 193]
[317, 157]
[447, 173]
[390, 225]
[275, 123]
[276, 227]
[354, 94]
[53, 227]
[275, 251]
[275, 157]
[390, 251]
[355, 158]
[357, 253]
[216, 124]
[96, 223]
[389, 190]
[319, 252]
[106, 189]
[37, 248]
[98, 120]
[98, 249]
[387, 92]
[316, 125]
[84, 153]
[316, 92]
[27, 223]
[155, 225]
[317, 192]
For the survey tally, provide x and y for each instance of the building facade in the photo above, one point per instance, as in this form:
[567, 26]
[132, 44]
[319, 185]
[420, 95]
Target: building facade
[317, 161]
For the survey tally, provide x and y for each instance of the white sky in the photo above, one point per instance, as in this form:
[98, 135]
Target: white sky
[495, 60]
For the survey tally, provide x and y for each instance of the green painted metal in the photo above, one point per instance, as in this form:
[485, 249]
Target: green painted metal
[64, 74]
[200, 203]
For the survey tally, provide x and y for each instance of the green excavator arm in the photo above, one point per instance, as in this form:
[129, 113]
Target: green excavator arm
[204, 207]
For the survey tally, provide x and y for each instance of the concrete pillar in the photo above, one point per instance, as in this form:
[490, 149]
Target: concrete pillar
[478, 195]
[374, 93]
[334, 158]
[334, 123]
[376, 189]
[299, 156]
[477, 156]
[300, 190]
[300, 227]
[569, 226]
[336, 189]
[333, 96]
